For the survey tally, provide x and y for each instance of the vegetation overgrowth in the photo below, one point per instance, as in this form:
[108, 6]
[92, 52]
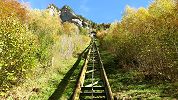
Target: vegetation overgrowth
[145, 43]
[140, 52]
[36, 50]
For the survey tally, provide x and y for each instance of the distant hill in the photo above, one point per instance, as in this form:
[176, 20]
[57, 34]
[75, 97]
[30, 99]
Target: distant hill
[68, 15]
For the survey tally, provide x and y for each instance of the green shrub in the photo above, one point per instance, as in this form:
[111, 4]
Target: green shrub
[17, 50]
[47, 28]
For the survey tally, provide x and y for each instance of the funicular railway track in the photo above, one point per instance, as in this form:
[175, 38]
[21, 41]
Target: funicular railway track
[92, 83]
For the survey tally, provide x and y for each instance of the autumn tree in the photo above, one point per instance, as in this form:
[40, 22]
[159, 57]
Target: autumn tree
[146, 39]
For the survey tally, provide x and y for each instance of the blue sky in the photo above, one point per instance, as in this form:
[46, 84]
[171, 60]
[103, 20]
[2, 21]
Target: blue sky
[100, 11]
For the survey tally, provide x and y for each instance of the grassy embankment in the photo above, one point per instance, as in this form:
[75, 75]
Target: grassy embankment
[140, 52]
[37, 50]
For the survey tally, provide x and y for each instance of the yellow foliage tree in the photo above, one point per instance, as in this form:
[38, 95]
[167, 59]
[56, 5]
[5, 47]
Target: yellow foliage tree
[147, 39]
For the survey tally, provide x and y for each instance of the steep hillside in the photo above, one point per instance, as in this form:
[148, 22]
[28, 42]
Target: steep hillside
[68, 15]
[141, 52]
[37, 49]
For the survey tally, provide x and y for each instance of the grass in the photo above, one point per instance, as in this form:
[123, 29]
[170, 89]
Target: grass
[69, 89]
[43, 84]
[131, 84]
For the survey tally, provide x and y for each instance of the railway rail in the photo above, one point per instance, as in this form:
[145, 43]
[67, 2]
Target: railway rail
[92, 83]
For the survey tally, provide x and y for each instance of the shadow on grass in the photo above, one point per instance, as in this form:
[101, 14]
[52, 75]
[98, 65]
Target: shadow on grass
[63, 84]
